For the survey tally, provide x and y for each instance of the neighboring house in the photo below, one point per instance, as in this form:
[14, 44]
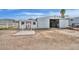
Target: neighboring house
[8, 23]
[74, 22]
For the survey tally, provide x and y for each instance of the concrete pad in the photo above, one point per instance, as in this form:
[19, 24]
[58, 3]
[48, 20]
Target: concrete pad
[27, 32]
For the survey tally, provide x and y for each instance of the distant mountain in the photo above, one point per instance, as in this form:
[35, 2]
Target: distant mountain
[9, 20]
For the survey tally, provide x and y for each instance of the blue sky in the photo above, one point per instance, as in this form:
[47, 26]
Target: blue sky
[28, 13]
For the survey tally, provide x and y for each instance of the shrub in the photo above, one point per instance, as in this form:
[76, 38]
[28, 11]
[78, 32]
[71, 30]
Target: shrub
[9, 28]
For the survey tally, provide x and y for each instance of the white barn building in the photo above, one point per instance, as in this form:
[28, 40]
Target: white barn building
[44, 22]
[52, 21]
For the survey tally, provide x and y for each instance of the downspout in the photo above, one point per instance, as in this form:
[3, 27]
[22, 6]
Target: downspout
[37, 22]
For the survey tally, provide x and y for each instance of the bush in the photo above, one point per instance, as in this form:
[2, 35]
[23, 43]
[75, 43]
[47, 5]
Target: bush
[9, 28]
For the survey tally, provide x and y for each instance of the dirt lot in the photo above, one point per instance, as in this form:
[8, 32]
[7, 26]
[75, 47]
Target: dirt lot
[50, 39]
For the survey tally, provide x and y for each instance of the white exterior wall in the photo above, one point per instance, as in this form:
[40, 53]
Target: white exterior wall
[63, 23]
[24, 26]
[34, 26]
[43, 23]
[19, 24]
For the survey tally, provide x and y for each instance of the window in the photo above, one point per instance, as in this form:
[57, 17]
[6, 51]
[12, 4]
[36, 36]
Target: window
[71, 19]
[22, 23]
[34, 23]
[73, 24]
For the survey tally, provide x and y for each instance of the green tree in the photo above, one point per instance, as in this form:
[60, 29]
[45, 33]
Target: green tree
[62, 13]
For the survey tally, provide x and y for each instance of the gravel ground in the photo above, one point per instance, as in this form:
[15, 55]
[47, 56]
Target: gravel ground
[50, 39]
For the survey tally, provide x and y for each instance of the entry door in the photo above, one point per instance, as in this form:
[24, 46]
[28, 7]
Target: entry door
[28, 25]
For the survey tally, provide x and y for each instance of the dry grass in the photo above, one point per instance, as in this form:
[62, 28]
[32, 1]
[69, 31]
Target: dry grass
[42, 40]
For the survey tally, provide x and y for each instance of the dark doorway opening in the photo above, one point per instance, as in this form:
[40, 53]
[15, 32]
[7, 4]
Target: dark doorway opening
[54, 23]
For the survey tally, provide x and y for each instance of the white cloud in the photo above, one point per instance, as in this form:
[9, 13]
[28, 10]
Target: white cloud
[53, 13]
[11, 9]
[72, 13]
[30, 13]
[27, 15]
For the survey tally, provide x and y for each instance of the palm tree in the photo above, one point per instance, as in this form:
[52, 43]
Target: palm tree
[62, 13]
